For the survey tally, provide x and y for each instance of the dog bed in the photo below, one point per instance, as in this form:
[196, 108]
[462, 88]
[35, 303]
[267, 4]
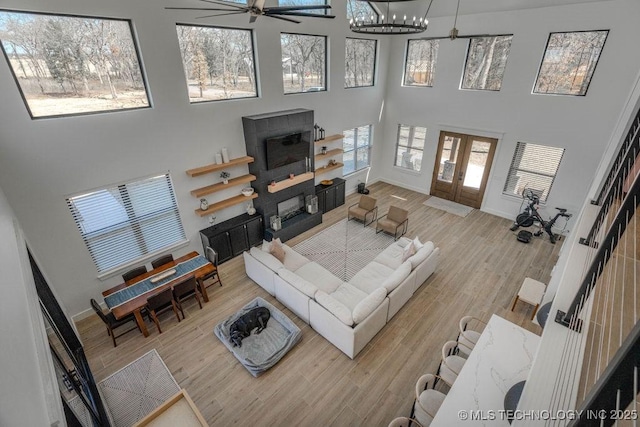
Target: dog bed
[260, 352]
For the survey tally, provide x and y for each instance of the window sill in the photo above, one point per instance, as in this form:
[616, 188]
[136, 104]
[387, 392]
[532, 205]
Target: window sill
[407, 171]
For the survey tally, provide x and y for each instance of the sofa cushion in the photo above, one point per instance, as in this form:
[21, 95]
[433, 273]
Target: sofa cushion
[397, 276]
[266, 258]
[293, 260]
[298, 282]
[349, 295]
[319, 276]
[422, 254]
[371, 277]
[335, 307]
[391, 256]
[368, 305]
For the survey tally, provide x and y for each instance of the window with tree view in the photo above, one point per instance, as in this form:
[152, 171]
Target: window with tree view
[569, 62]
[420, 63]
[357, 148]
[218, 62]
[359, 62]
[68, 65]
[534, 167]
[361, 9]
[486, 62]
[306, 3]
[410, 147]
[303, 63]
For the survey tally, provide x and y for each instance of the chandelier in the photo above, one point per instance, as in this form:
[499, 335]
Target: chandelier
[390, 25]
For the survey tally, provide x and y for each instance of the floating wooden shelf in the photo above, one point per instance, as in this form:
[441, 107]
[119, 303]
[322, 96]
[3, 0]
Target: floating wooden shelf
[329, 154]
[200, 192]
[223, 204]
[328, 168]
[217, 167]
[290, 182]
[330, 138]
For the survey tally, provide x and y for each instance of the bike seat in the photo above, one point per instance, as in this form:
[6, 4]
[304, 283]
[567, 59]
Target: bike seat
[562, 210]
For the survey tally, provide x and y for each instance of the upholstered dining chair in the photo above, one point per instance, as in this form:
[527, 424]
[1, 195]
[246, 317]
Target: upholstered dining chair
[134, 273]
[468, 335]
[159, 303]
[451, 363]
[212, 256]
[365, 207]
[404, 422]
[428, 399]
[161, 260]
[393, 222]
[185, 290]
[112, 323]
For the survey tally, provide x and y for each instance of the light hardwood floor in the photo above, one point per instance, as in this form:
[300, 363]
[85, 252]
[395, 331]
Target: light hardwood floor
[482, 266]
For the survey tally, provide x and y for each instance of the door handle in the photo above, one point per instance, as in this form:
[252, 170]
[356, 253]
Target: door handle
[460, 175]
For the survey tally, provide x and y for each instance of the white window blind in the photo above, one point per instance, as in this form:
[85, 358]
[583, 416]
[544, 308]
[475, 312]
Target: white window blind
[533, 166]
[126, 222]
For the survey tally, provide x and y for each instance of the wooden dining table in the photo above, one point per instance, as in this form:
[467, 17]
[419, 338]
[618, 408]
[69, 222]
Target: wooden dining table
[136, 304]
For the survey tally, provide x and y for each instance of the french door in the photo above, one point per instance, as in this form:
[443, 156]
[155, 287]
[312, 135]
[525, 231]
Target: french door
[462, 167]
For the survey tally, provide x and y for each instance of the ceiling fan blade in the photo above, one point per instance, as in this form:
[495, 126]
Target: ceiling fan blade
[257, 4]
[293, 8]
[225, 3]
[283, 18]
[235, 12]
[201, 8]
[308, 15]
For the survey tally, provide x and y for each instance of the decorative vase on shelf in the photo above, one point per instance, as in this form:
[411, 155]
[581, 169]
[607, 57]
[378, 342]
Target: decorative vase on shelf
[218, 158]
[225, 177]
[204, 204]
[225, 181]
[324, 149]
[225, 155]
[250, 209]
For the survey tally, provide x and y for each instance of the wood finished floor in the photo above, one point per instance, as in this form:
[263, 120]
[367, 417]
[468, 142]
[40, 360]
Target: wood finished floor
[482, 266]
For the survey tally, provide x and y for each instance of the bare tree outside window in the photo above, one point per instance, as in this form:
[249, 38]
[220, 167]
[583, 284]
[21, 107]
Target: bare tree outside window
[218, 62]
[303, 63]
[357, 148]
[72, 65]
[359, 62]
[420, 63]
[410, 147]
[486, 62]
[360, 10]
[306, 3]
[569, 62]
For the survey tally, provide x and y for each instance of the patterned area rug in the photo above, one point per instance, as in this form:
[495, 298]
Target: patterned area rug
[344, 248]
[137, 389]
[448, 206]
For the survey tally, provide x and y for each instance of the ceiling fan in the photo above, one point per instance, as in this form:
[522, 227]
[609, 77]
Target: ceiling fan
[256, 8]
[453, 34]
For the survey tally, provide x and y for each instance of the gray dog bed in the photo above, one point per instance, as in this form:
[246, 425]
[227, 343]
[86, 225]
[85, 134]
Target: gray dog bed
[261, 351]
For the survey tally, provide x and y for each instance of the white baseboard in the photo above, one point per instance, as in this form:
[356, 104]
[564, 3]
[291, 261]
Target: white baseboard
[404, 185]
[84, 314]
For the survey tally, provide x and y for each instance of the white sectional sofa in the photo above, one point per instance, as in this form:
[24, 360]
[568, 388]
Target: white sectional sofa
[349, 314]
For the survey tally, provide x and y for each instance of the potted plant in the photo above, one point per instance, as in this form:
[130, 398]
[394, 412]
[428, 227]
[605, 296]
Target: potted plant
[225, 177]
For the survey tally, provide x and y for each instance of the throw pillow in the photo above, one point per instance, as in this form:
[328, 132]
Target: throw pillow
[266, 246]
[417, 244]
[277, 250]
[408, 251]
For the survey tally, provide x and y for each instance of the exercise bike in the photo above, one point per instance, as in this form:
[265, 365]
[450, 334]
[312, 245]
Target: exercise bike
[530, 215]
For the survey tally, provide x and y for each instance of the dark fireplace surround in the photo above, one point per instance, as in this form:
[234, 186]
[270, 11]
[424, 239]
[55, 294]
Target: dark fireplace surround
[257, 129]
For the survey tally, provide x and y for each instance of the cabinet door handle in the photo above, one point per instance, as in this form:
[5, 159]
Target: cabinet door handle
[245, 226]
[227, 233]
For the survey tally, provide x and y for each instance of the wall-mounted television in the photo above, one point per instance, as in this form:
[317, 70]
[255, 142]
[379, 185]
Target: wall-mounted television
[287, 149]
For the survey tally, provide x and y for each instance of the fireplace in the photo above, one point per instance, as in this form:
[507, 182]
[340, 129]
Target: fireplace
[289, 208]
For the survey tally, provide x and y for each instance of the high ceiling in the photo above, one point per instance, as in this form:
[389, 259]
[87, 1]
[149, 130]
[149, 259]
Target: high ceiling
[468, 7]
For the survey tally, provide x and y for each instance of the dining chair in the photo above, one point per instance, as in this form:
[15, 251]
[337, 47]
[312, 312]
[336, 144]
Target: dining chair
[393, 222]
[468, 335]
[366, 206]
[134, 273]
[185, 290]
[451, 363]
[112, 323]
[161, 260]
[404, 422]
[159, 303]
[212, 256]
[428, 399]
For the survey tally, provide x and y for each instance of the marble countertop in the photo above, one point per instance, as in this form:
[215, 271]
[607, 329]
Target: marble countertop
[501, 358]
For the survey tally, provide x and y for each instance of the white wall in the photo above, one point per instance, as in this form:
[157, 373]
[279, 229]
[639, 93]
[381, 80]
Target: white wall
[29, 395]
[582, 125]
[45, 160]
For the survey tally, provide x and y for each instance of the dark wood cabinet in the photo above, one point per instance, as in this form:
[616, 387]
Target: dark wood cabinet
[331, 196]
[234, 236]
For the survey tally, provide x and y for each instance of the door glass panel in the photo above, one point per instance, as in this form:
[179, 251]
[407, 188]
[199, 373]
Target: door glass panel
[448, 158]
[477, 163]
